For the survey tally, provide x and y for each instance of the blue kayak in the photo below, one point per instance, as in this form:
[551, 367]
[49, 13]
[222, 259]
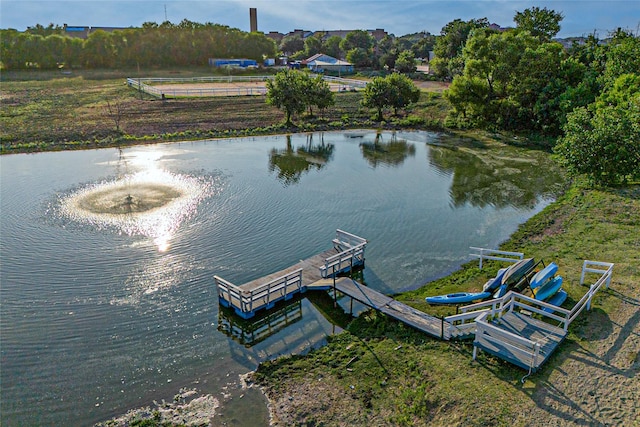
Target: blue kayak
[544, 275]
[493, 284]
[549, 289]
[558, 299]
[517, 271]
[458, 298]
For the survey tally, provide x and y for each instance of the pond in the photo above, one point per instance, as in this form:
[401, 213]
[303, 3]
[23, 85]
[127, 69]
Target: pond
[108, 256]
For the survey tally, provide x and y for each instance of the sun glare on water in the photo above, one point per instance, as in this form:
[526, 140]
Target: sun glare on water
[151, 202]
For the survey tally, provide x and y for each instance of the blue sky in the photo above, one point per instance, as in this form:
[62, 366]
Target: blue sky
[396, 16]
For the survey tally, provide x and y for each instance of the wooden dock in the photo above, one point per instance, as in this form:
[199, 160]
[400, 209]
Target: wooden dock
[520, 339]
[346, 254]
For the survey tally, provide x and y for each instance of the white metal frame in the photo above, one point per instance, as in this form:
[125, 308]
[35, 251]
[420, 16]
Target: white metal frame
[491, 254]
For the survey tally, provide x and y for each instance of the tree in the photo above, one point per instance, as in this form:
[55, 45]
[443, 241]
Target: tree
[312, 46]
[448, 47]
[482, 92]
[291, 44]
[332, 47]
[377, 95]
[357, 39]
[318, 94]
[403, 91]
[422, 48]
[602, 141]
[406, 62]
[395, 90]
[543, 23]
[287, 92]
[359, 57]
[359, 47]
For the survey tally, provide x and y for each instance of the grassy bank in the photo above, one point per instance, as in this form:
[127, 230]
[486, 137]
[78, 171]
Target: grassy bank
[45, 111]
[381, 372]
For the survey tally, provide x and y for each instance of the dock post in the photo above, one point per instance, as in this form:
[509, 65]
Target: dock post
[335, 293]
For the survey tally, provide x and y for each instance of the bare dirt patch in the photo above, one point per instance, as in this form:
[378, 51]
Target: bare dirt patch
[224, 88]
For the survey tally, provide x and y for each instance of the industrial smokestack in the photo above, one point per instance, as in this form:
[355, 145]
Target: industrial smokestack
[253, 19]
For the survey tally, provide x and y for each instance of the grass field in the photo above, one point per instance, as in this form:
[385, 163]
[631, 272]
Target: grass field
[43, 111]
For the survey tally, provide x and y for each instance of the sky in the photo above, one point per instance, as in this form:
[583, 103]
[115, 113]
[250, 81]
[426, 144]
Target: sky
[399, 17]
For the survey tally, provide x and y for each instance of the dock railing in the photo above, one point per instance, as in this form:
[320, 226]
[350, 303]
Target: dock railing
[351, 254]
[603, 280]
[496, 255]
[488, 334]
[247, 301]
[464, 324]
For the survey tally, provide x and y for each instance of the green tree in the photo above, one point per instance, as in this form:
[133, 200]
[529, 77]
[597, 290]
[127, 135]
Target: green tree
[359, 57]
[358, 45]
[292, 44]
[423, 46]
[403, 91]
[332, 47]
[287, 92]
[395, 91]
[622, 56]
[312, 46]
[257, 46]
[377, 94]
[448, 47]
[482, 92]
[406, 62]
[318, 94]
[357, 39]
[602, 141]
[543, 23]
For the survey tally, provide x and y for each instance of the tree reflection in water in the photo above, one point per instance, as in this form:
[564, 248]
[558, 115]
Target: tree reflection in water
[291, 163]
[496, 177]
[391, 153]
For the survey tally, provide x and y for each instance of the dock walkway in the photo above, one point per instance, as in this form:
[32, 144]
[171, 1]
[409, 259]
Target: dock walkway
[383, 303]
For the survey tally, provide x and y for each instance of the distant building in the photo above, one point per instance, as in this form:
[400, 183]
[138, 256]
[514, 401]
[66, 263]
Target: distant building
[321, 63]
[377, 34]
[237, 63]
[83, 32]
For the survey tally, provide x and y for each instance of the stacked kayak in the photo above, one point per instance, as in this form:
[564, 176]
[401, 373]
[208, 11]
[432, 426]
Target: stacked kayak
[547, 286]
[488, 288]
[513, 275]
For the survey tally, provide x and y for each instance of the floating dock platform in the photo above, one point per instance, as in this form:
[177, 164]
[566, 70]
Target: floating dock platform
[346, 255]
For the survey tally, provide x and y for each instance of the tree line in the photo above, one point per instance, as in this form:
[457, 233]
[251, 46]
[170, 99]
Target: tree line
[521, 80]
[166, 45]
[190, 43]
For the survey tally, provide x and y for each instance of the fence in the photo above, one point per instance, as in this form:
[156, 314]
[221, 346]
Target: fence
[491, 254]
[246, 302]
[145, 84]
[464, 324]
[352, 254]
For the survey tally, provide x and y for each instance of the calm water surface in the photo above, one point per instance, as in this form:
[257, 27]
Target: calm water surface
[101, 314]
